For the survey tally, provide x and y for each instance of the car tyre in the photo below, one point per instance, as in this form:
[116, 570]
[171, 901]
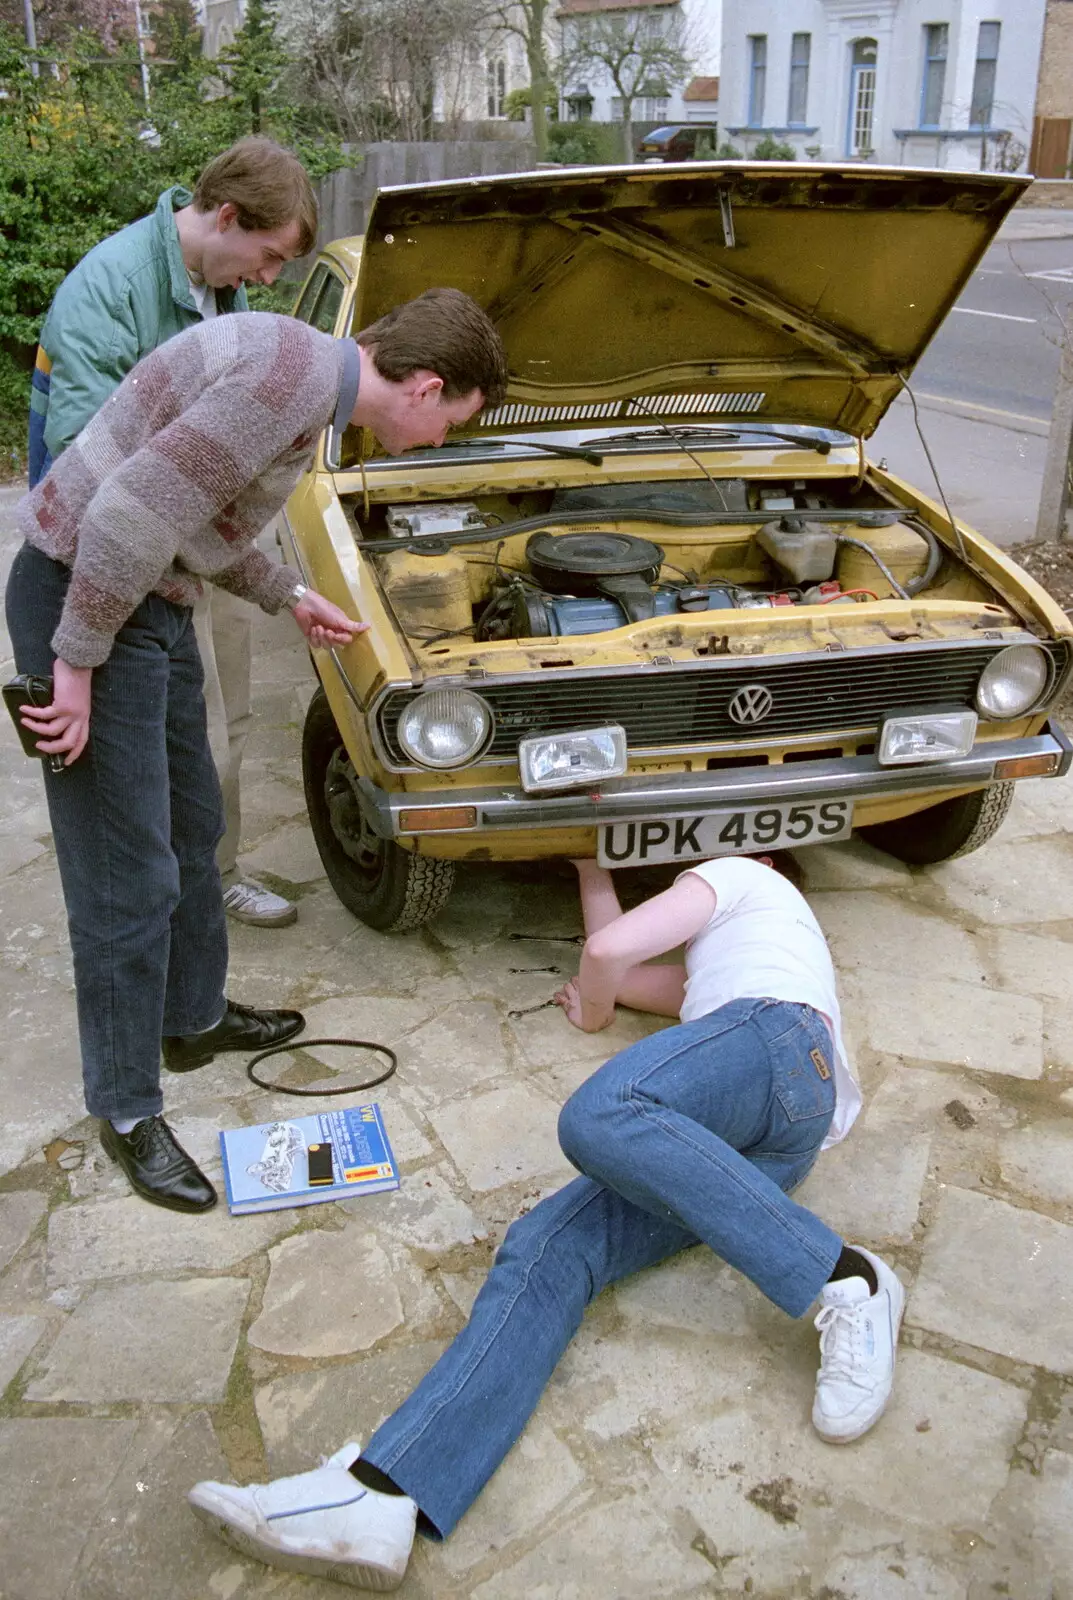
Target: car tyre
[942, 833]
[386, 887]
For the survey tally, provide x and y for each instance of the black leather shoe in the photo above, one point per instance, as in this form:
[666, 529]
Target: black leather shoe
[158, 1167]
[240, 1028]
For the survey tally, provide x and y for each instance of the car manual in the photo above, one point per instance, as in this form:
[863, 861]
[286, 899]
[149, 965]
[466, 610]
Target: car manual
[332, 1155]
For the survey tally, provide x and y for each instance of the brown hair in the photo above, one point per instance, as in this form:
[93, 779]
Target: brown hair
[267, 185]
[445, 332]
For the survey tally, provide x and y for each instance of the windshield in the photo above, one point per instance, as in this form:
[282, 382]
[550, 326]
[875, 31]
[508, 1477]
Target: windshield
[648, 439]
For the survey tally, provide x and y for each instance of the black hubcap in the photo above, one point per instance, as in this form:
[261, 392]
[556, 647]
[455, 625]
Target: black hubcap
[351, 831]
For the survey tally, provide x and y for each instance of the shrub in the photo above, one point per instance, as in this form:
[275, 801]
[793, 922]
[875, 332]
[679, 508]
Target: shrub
[585, 144]
[771, 149]
[78, 161]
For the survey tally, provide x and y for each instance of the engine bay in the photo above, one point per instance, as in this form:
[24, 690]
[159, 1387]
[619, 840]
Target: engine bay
[592, 559]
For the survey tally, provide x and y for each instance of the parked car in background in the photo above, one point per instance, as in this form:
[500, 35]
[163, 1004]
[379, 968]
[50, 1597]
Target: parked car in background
[680, 141]
[658, 605]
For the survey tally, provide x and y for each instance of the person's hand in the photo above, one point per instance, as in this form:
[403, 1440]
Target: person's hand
[323, 623]
[569, 998]
[64, 723]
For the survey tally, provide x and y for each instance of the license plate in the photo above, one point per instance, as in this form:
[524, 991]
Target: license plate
[723, 833]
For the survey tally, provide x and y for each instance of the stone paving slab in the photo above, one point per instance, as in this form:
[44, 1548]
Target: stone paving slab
[536, 1480]
[113, 1238]
[147, 1341]
[939, 1020]
[770, 1494]
[998, 1277]
[1030, 965]
[1037, 1161]
[304, 1415]
[19, 1215]
[18, 1335]
[56, 1473]
[327, 1295]
[881, 933]
[523, 1145]
[145, 1543]
[624, 1549]
[425, 1214]
[1010, 884]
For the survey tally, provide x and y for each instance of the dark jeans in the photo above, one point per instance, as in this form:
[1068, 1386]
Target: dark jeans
[135, 821]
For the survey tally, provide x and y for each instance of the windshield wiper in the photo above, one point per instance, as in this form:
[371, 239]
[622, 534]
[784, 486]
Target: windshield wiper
[575, 452]
[672, 432]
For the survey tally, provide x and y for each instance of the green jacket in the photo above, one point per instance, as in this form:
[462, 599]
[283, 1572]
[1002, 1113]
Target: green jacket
[130, 294]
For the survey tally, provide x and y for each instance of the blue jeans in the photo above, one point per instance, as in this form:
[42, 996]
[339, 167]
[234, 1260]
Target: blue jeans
[693, 1135]
[135, 821]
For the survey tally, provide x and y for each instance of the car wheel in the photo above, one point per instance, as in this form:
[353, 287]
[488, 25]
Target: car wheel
[943, 832]
[388, 888]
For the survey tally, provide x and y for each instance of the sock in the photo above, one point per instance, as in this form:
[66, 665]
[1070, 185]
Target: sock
[851, 1264]
[373, 1478]
[125, 1124]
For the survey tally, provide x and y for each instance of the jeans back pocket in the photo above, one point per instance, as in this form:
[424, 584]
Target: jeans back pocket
[803, 1075]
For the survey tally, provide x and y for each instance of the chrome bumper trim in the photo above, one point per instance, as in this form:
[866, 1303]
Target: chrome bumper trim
[686, 794]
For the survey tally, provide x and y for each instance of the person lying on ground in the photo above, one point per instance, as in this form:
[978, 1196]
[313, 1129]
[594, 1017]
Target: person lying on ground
[694, 1135]
[170, 483]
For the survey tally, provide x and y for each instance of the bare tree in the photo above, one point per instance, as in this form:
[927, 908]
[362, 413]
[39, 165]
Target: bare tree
[643, 52]
[334, 64]
[55, 21]
[372, 66]
[528, 21]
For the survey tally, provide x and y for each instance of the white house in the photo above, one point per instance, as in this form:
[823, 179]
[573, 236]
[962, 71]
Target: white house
[693, 98]
[220, 21]
[939, 83]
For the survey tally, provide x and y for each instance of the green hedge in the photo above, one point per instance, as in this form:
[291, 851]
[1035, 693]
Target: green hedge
[78, 160]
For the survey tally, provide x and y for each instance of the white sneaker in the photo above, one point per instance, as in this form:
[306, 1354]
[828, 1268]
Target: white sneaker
[249, 901]
[324, 1523]
[858, 1338]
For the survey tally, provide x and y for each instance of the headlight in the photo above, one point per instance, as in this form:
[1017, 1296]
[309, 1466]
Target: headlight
[445, 727]
[1015, 681]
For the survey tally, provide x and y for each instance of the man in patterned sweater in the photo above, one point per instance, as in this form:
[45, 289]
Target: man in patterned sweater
[169, 484]
[251, 209]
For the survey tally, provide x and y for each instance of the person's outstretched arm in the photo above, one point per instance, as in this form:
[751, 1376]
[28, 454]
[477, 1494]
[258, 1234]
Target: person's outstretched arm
[611, 962]
[599, 898]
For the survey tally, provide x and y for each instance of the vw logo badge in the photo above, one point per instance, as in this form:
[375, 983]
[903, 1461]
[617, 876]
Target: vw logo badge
[751, 704]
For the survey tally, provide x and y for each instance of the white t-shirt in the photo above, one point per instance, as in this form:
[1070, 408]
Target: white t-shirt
[204, 298]
[763, 943]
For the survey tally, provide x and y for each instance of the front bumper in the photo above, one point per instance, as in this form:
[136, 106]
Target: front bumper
[688, 794]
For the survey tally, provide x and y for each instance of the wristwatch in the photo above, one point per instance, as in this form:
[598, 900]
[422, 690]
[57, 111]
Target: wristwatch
[298, 594]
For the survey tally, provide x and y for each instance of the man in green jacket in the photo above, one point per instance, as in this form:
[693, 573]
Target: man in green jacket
[251, 210]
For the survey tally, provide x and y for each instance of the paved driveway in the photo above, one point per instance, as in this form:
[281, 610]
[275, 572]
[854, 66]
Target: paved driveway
[673, 1455]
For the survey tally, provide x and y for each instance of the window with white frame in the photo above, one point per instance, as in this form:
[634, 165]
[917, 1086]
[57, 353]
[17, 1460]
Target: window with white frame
[757, 79]
[497, 85]
[862, 97]
[983, 82]
[646, 108]
[800, 54]
[936, 42]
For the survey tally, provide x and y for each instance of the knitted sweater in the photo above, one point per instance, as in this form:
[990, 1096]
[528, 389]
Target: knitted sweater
[177, 473]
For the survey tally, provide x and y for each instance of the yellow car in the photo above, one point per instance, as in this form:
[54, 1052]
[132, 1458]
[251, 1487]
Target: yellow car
[658, 605]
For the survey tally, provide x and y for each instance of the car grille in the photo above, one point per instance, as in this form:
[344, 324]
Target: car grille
[691, 706]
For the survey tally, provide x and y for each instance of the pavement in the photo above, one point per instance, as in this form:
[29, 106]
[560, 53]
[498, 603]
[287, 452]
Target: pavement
[1031, 222]
[672, 1455]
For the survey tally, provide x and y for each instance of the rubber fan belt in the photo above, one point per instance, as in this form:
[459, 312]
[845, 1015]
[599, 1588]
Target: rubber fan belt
[303, 1044]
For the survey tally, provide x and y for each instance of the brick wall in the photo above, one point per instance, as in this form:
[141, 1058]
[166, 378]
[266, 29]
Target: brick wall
[1055, 96]
[1050, 194]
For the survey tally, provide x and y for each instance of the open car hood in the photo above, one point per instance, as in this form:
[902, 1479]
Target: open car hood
[786, 291]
